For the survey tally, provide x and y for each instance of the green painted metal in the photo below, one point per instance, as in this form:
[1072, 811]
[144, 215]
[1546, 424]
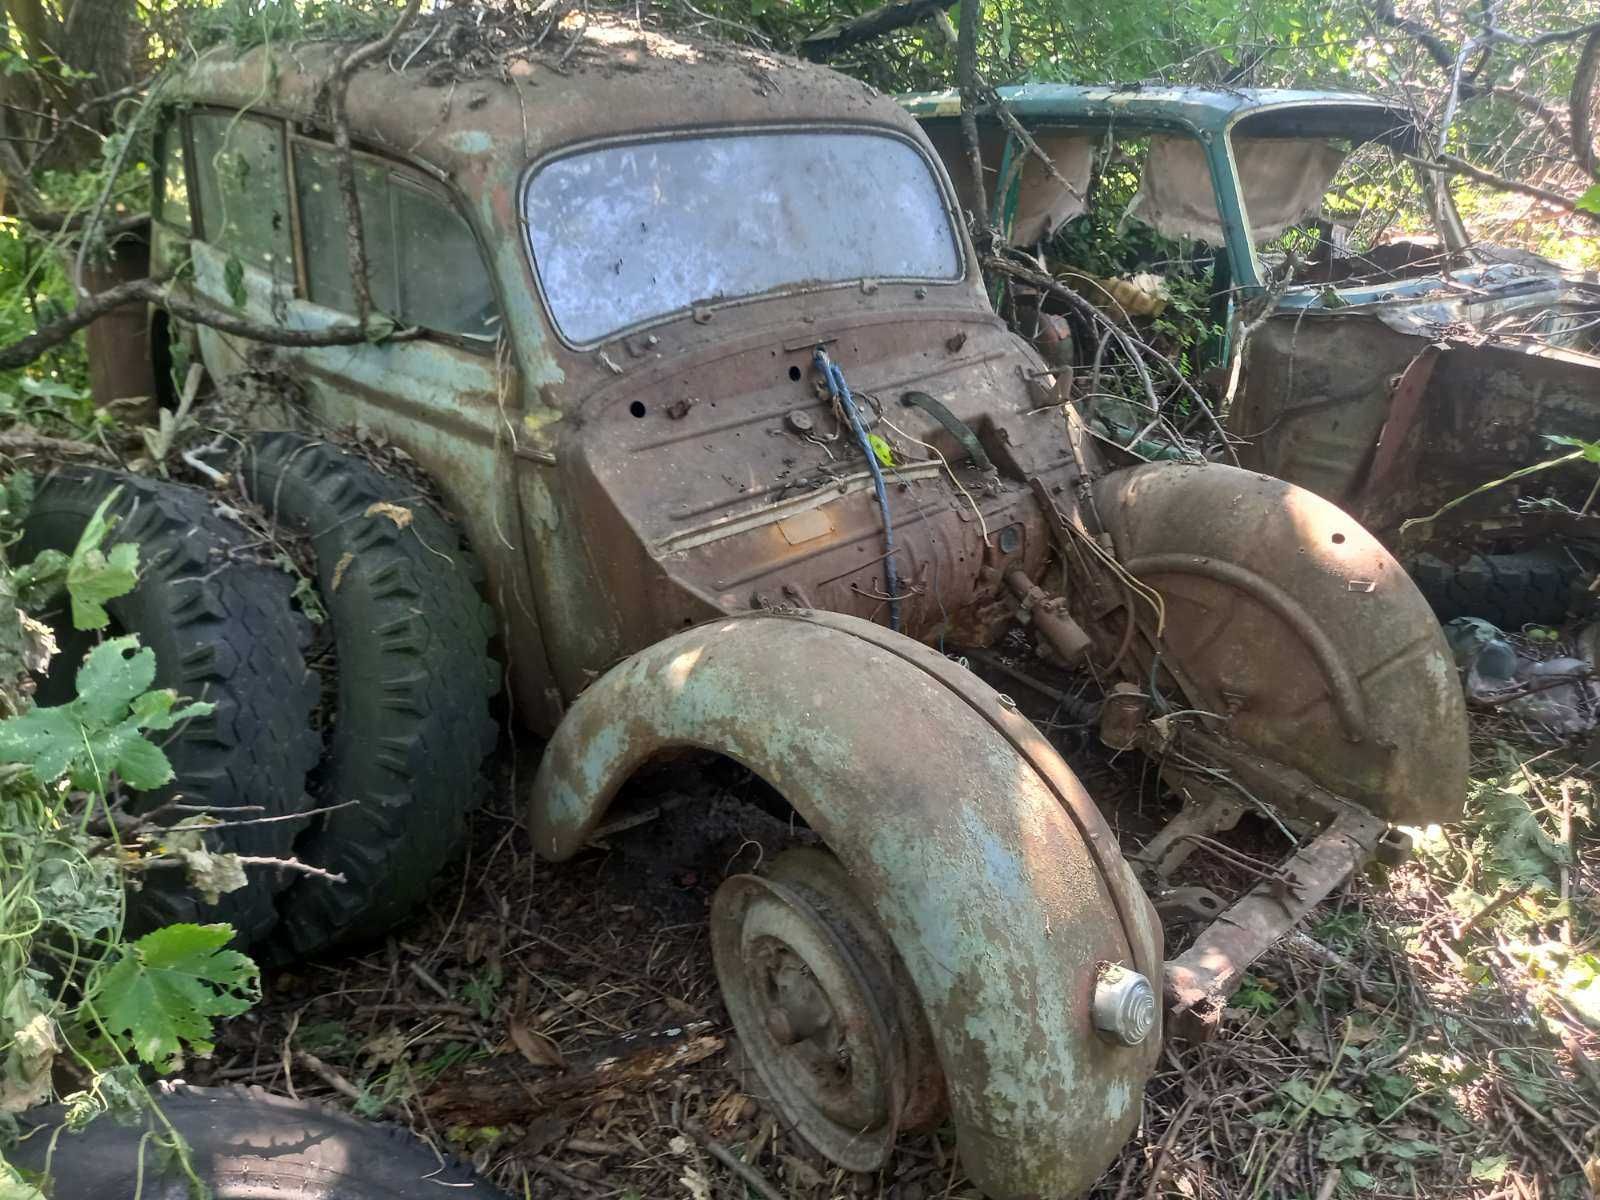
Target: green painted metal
[1206, 114]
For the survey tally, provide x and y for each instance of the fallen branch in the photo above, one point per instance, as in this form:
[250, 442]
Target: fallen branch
[199, 312]
[18, 442]
[752, 1177]
[898, 14]
[507, 1088]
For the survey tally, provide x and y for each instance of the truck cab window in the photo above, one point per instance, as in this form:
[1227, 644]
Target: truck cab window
[244, 204]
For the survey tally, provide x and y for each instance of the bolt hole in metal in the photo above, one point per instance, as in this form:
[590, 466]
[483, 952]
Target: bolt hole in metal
[823, 1010]
[637, 408]
[794, 374]
[1338, 539]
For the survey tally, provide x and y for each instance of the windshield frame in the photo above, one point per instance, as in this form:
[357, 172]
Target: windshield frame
[1250, 279]
[676, 133]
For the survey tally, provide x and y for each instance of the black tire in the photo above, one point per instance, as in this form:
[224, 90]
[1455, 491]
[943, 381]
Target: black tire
[412, 724]
[1509, 590]
[245, 1144]
[223, 626]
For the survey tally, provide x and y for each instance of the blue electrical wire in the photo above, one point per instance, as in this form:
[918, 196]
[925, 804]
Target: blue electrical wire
[840, 391]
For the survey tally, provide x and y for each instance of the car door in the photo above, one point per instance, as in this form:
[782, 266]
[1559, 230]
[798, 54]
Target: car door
[273, 245]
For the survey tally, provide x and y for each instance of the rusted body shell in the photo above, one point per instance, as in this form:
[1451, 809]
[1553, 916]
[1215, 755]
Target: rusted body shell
[1377, 410]
[639, 498]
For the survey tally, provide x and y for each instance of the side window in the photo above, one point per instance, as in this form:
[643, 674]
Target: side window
[243, 193]
[322, 224]
[444, 284]
[173, 209]
[424, 264]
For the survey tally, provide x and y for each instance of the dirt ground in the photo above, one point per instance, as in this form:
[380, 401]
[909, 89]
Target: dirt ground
[1363, 1057]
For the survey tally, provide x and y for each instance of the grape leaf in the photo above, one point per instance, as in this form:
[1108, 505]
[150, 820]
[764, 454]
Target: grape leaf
[161, 996]
[101, 730]
[94, 577]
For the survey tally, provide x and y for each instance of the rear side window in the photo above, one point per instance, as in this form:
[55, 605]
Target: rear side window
[174, 208]
[244, 204]
[327, 245]
[424, 265]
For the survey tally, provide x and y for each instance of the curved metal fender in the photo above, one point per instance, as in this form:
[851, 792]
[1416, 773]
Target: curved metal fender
[1287, 615]
[988, 865]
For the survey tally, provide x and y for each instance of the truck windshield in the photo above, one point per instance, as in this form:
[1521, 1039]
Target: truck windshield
[626, 233]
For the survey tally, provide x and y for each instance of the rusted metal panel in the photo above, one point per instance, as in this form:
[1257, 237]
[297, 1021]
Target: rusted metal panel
[1299, 630]
[997, 881]
[118, 344]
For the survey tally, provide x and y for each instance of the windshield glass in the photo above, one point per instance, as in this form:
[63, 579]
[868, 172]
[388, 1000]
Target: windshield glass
[623, 234]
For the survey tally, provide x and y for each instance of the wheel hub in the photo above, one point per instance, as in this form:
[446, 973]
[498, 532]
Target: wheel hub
[815, 1006]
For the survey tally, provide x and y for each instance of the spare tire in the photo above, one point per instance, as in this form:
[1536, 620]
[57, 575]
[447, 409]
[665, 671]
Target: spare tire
[1533, 587]
[411, 726]
[224, 628]
[244, 1144]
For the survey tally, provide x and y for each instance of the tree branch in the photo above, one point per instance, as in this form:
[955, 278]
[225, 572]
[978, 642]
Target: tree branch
[1583, 81]
[1426, 38]
[898, 14]
[967, 78]
[338, 89]
[198, 312]
[1459, 166]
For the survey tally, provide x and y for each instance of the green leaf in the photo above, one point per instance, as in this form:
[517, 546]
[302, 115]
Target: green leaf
[142, 764]
[1591, 450]
[1343, 1143]
[94, 577]
[1492, 1169]
[113, 675]
[163, 994]
[233, 280]
[1589, 202]
[882, 449]
[46, 739]
[1329, 1102]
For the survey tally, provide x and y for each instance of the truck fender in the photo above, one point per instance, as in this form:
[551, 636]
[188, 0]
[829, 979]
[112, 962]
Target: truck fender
[988, 866]
[1299, 630]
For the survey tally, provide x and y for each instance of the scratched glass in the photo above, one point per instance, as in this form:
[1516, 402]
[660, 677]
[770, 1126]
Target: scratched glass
[628, 233]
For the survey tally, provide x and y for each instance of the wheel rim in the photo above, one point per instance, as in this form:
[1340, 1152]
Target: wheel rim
[814, 1010]
[923, 1100]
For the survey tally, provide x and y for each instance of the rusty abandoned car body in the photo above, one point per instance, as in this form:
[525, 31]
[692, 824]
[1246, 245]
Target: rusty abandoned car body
[1391, 378]
[724, 413]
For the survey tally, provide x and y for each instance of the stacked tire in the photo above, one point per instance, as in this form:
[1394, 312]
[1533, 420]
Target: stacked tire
[369, 763]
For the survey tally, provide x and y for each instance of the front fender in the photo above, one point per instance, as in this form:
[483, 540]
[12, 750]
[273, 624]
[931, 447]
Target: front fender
[986, 862]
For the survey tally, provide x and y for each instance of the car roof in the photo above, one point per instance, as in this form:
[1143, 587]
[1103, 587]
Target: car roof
[1265, 111]
[480, 127]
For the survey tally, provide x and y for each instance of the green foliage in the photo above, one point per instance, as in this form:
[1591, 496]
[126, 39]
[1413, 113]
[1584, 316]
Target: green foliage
[90, 576]
[71, 987]
[102, 730]
[1589, 201]
[164, 991]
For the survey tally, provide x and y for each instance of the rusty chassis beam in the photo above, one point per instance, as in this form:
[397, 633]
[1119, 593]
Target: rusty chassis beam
[1200, 980]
